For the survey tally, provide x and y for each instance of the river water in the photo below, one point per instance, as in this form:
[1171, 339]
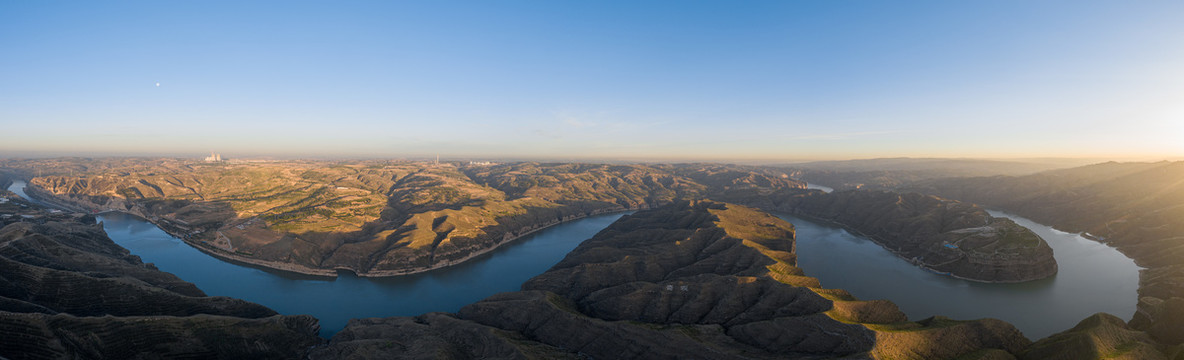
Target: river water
[336, 300]
[1092, 277]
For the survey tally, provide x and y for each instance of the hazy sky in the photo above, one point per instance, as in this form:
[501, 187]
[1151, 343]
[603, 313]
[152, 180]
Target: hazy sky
[597, 79]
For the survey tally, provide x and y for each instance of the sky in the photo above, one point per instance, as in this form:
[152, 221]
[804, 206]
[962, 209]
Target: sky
[656, 80]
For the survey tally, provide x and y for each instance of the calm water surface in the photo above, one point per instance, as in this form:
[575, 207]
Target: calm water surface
[18, 187]
[1092, 278]
[335, 301]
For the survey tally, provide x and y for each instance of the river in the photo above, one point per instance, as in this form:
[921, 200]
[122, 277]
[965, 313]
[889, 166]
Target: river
[336, 300]
[1092, 277]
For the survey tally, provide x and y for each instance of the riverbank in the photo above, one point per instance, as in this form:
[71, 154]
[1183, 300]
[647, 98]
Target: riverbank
[505, 240]
[1090, 279]
[172, 230]
[507, 237]
[900, 254]
[332, 273]
[336, 300]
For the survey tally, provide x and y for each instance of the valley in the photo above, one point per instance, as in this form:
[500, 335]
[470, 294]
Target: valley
[939, 234]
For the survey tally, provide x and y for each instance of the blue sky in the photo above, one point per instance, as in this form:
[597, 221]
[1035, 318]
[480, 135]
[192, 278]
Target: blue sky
[673, 80]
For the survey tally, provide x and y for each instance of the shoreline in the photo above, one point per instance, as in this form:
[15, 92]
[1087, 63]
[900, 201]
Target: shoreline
[291, 268]
[918, 264]
[269, 265]
[393, 273]
[297, 269]
[333, 273]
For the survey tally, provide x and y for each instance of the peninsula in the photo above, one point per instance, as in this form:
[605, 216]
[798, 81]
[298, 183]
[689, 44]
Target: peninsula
[946, 236]
[388, 218]
[701, 279]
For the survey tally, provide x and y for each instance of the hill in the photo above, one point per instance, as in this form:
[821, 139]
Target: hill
[375, 218]
[887, 173]
[698, 279]
[68, 291]
[1135, 207]
[943, 235]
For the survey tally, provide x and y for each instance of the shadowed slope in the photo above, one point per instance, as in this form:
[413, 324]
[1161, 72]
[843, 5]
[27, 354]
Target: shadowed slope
[68, 291]
[1136, 207]
[372, 217]
[692, 279]
[1101, 336]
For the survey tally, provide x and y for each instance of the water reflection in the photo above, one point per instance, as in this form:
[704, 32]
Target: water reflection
[336, 300]
[1092, 278]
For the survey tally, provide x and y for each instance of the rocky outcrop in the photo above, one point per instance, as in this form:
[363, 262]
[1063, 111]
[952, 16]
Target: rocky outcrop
[688, 280]
[68, 291]
[1161, 319]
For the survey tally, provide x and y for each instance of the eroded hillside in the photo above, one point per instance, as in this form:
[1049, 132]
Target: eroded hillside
[68, 292]
[1136, 207]
[688, 280]
[378, 218]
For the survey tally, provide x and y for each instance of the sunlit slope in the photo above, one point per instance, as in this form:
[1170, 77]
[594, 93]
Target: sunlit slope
[945, 235]
[888, 173]
[699, 279]
[1101, 336]
[1137, 207]
[379, 218]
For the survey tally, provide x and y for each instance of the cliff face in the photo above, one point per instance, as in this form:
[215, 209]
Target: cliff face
[688, 280]
[68, 291]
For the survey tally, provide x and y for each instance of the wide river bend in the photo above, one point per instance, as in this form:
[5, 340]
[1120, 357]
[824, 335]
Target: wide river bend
[1092, 277]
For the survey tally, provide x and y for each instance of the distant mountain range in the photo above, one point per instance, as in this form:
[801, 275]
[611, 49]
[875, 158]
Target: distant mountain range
[887, 173]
